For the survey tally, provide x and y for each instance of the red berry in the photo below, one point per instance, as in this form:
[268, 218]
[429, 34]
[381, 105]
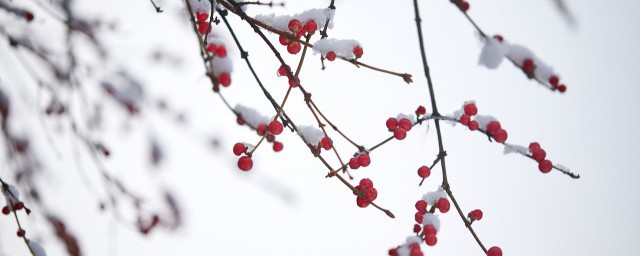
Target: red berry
[28, 16]
[284, 40]
[364, 160]
[500, 135]
[443, 205]
[539, 154]
[20, 232]
[353, 163]
[371, 194]
[553, 80]
[295, 25]
[331, 56]
[424, 172]
[358, 51]
[275, 127]
[18, 206]
[528, 66]
[245, 163]
[494, 251]
[310, 27]
[326, 143]
[421, 206]
[416, 228]
[202, 16]
[399, 133]
[464, 6]
[421, 110]
[499, 38]
[5, 210]
[225, 79]
[405, 124]
[562, 88]
[221, 51]
[475, 214]
[282, 70]
[271, 137]
[533, 146]
[470, 109]
[392, 123]
[366, 183]
[473, 125]
[430, 240]
[294, 47]
[493, 126]
[262, 129]
[203, 27]
[292, 83]
[239, 148]
[430, 230]
[362, 202]
[419, 217]
[393, 252]
[277, 146]
[464, 119]
[545, 166]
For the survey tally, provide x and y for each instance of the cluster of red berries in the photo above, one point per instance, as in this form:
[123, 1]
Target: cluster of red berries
[538, 154]
[361, 159]
[201, 21]
[554, 81]
[399, 127]
[528, 67]
[357, 51]
[494, 129]
[463, 5]
[428, 231]
[298, 30]
[16, 207]
[274, 128]
[414, 250]
[369, 193]
[284, 70]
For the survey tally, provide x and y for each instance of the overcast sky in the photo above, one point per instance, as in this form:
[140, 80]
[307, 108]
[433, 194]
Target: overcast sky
[285, 206]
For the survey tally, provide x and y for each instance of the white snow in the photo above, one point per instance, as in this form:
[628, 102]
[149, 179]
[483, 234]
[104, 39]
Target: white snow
[341, 47]
[411, 117]
[484, 120]
[492, 53]
[36, 248]
[281, 22]
[221, 65]
[251, 116]
[431, 219]
[311, 134]
[11, 196]
[432, 197]
[512, 148]
[200, 5]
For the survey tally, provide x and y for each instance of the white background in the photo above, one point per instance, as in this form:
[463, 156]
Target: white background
[285, 206]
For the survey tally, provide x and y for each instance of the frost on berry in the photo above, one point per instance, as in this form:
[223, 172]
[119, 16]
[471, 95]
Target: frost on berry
[494, 251]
